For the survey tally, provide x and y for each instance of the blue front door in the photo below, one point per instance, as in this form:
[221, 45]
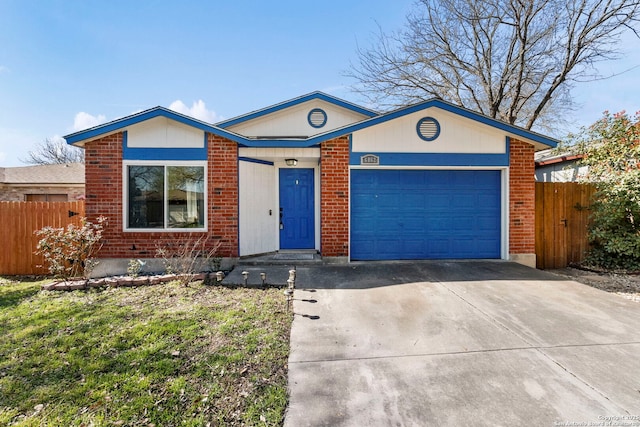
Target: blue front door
[296, 209]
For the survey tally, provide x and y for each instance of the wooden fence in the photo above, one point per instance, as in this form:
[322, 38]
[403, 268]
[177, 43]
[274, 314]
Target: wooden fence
[562, 218]
[19, 221]
[562, 215]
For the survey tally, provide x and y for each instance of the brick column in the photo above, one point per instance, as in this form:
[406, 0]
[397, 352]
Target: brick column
[223, 193]
[103, 189]
[522, 197]
[334, 197]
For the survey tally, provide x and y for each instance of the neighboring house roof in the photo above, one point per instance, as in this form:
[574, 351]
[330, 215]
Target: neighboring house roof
[70, 173]
[79, 138]
[550, 157]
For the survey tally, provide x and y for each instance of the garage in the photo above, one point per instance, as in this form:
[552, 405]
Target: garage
[425, 214]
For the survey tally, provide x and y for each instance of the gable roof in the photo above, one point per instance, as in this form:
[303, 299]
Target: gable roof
[446, 106]
[119, 124]
[541, 141]
[69, 173]
[317, 95]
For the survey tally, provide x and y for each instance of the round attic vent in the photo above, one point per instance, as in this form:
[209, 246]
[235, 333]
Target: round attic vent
[317, 118]
[428, 128]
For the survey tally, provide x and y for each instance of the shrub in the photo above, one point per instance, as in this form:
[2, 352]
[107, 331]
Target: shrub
[135, 267]
[189, 256]
[68, 252]
[612, 154]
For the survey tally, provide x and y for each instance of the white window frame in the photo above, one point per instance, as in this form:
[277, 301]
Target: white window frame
[165, 164]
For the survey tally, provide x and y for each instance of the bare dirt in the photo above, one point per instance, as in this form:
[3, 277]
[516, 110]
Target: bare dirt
[622, 284]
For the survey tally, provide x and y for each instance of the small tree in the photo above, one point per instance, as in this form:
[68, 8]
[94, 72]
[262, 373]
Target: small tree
[68, 252]
[612, 154]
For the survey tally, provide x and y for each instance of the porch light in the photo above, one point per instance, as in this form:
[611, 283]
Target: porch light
[291, 162]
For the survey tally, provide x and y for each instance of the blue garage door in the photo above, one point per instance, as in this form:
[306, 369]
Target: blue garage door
[425, 214]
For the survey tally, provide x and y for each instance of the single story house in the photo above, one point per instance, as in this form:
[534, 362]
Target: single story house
[42, 183]
[559, 167]
[427, 181]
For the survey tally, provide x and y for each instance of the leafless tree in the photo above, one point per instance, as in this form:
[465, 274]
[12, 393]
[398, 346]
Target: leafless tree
[513, 60]
[54, 152]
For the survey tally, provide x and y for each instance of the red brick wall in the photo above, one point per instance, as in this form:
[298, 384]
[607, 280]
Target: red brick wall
[103, 176]
[223, 193]
[522, 198]
[334, 197]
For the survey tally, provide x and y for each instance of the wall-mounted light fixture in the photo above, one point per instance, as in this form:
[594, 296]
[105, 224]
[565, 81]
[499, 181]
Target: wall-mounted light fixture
[291, 162]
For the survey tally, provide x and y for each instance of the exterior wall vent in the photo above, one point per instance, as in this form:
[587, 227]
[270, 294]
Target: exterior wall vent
[428, 128]
[317, 118]
[369, 159]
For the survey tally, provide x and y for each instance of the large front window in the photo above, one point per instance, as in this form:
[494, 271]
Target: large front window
[165, 197]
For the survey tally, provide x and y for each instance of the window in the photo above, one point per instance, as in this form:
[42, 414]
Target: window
[165, 197]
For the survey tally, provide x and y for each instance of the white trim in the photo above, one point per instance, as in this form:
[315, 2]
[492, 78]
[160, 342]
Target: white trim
[506, 213]
[448, 168]
[165, 164]
[504, 197]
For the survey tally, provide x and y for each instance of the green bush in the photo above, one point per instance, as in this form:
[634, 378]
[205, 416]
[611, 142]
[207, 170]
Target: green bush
[612, 153]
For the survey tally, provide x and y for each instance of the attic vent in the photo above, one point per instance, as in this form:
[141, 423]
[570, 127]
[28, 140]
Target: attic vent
[428, 128]
[317, 118]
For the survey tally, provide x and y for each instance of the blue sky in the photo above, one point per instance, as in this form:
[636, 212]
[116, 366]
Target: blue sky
[67, 65]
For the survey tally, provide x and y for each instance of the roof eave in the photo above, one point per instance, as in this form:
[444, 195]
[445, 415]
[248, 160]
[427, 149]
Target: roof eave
[293, 102]
[528, 136]
[79, 138]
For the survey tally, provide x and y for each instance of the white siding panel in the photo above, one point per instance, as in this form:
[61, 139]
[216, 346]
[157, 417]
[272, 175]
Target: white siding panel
[161, 132]
[293, 121]
[561, 172]
[457, 135]
[258, 211]
[274, 154]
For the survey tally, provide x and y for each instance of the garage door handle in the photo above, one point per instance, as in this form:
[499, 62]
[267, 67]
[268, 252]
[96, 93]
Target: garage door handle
[564, 221]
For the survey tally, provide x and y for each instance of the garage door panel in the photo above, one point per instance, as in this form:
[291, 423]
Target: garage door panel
[425, 214]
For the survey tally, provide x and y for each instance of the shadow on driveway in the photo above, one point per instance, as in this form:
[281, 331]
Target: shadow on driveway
[366, 275]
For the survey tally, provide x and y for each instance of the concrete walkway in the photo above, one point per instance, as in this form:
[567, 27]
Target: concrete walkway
[459, 344]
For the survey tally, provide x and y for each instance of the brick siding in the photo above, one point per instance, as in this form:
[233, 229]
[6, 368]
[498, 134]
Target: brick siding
[522, 198]
[334, 197]
[16, 193]
[103, 177]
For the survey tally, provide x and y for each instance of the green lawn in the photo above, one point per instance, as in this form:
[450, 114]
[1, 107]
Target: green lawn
[161, 355]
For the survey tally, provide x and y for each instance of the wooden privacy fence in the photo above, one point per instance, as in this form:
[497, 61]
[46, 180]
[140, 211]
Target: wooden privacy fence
[562, 218]
[19, 221]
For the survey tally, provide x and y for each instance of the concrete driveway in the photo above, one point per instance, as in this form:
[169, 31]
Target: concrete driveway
[459, 344]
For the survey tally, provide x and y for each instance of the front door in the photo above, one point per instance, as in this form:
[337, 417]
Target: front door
[297, 223]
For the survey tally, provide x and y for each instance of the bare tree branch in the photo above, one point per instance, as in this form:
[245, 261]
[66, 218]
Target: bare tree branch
[54, 152]
[514, 60]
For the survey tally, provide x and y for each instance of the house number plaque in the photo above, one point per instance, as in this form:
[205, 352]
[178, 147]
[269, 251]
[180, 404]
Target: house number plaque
[369, 159]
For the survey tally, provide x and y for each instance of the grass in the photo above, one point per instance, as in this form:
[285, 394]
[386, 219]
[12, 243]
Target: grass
[161, 355]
